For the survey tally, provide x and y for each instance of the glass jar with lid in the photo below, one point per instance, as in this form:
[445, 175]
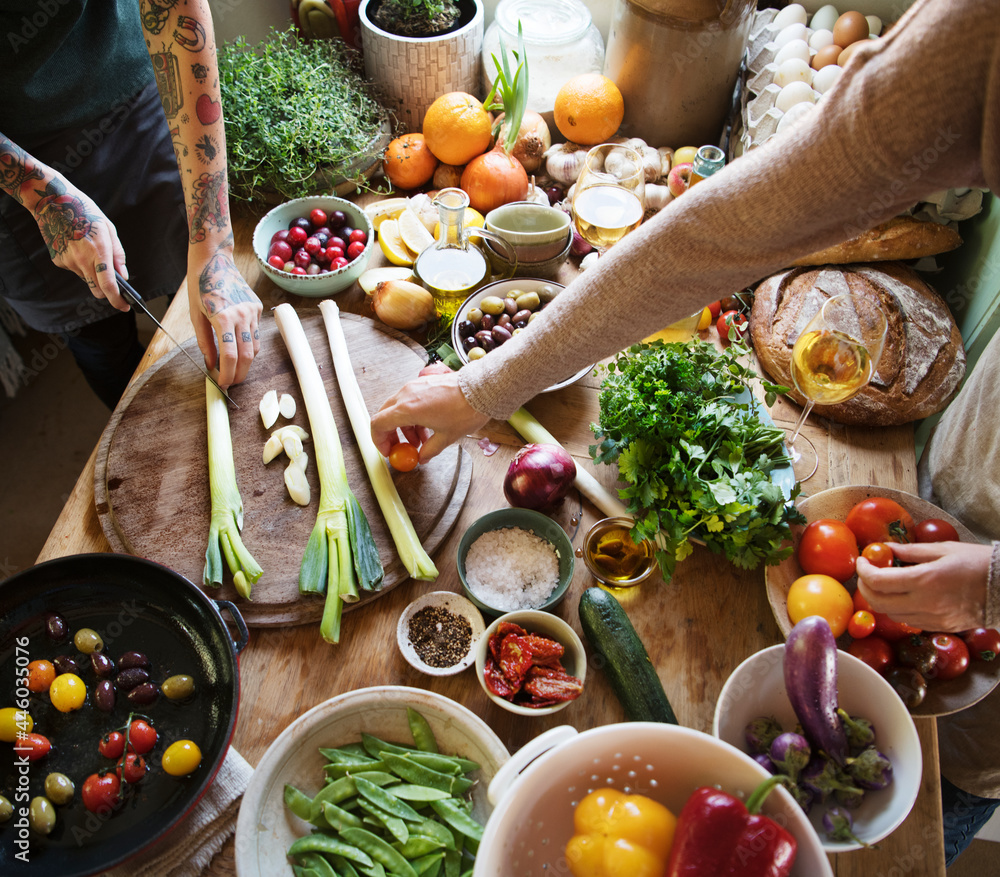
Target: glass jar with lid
[560, 41]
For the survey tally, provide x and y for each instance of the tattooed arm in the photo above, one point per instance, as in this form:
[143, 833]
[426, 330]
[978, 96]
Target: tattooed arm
[224, 310]
[78, 235]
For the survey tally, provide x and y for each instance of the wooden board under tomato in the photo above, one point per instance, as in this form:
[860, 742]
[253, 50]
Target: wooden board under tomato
[943, 697]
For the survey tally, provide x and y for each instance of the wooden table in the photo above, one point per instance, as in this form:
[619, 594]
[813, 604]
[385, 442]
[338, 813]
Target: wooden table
[697, 628]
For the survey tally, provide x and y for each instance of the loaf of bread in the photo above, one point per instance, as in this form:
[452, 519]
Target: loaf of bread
[923, 361]
[902, 237]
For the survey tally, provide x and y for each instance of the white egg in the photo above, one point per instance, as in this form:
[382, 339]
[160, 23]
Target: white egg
[794, 115]
[793, 70]
[824, 79]
[795, 49]
[794, 93]
[793, 13]
[820, 39]
[874, 25]
[792, 32]
[825, 18]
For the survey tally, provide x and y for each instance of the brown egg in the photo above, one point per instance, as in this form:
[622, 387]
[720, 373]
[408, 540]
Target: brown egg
[826, 56]
[850, 27]
[846, 55]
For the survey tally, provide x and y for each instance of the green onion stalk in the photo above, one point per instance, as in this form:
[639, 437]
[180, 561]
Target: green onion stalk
[227, 504]
[412, 554]
[341, 551]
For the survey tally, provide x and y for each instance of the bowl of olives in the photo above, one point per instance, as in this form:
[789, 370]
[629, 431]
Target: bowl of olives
[495, 313]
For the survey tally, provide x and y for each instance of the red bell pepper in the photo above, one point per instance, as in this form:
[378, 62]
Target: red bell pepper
[718, 835]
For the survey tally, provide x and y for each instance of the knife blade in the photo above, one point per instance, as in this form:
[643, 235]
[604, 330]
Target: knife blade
[137, 301]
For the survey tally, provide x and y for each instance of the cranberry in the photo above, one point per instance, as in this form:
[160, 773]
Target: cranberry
[298, 270]
[317, 217]
[355, 250]
[339, 262]
[280, 235]
[336, 248]
[555, 194]
[359, 235]
[345, 234]
[321, 257]
[301, 222]
[302, 258]
[323, 230]
[276, 262]
[313, 268]
[297, 236]
[337, 219]
[312, 245]
[281, 249]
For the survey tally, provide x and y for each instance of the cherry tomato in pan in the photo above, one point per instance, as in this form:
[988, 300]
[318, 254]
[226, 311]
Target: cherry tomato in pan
[862, 624]
[101, 792]
[112, 745]
[983, 643]
[874, 651]
[134, 768]
[40, 675]
[829, 548]
[935, 530]
[181, 758]
[878, 554]
[32, 746]
[880, 519]
[953, 655]
[141, 736]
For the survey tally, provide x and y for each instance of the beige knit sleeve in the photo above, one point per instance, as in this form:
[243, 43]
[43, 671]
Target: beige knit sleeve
[993, 590]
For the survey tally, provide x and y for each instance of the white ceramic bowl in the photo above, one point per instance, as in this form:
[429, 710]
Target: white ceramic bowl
[757, 688]
[574, 660]
[546, 289]
[535, 792]
[452, 602]
[312, 285]
[265, 828]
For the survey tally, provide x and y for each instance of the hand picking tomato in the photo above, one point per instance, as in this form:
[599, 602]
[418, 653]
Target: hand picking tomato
[878, 554]
[862, 624]
[983, 643]
[404, 457]
[820, 595]
[936, 530]
[953, 655]
[880, 519]
[141, 736]
[874, 651]
[829, 548]
[101, 793]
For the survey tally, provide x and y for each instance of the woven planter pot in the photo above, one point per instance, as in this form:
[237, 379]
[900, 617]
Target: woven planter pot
[411, 72]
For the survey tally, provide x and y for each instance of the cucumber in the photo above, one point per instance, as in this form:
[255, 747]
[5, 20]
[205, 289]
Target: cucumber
[626, 662]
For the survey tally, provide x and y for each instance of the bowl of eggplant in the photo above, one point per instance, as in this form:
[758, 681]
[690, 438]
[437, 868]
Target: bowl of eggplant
[834, 727]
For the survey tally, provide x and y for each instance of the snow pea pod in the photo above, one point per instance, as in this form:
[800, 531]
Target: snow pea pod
[420, 728]
[383, 820]
[386, 801]
[414, 772]
[323, 843]
[378, 850]
[419, 794]
[454, 814]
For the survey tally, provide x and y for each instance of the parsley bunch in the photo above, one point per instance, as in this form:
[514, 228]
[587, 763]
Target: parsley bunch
[298, 116]
[681, 424]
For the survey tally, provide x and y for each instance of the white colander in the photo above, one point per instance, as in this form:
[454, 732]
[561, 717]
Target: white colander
[535, 792]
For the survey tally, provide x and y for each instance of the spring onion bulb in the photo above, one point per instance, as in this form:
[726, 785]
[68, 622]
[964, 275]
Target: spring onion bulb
[416, 561]
[227, 504]
[341, 550]
[533, 432]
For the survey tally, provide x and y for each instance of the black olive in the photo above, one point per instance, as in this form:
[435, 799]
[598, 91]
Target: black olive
[104, 696]
[133, 659]
[131, 677]
[144, 694]
[466, 328]
[67, 664]
[102, 664]
[55, 626]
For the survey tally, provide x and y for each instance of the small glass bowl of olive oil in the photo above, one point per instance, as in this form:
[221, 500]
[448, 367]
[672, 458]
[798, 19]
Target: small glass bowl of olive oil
[612, 556]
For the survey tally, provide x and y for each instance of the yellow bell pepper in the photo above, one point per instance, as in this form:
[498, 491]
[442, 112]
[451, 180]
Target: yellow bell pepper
[619, 835]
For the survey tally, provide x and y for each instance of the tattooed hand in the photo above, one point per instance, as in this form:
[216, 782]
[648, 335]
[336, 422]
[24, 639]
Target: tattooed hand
[226, 315]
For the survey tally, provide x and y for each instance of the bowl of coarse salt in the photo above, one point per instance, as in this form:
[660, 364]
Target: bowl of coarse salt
[512, 559]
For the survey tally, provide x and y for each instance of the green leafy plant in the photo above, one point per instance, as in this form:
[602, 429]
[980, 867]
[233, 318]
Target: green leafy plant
[416, 17]
[681, 424]
[298, 116]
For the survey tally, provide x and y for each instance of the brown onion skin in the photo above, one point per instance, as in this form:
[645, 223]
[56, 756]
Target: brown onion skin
[493, 179]
[539, 477]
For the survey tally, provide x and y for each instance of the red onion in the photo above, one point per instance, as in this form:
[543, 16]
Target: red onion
[579, 247]
[539, 477]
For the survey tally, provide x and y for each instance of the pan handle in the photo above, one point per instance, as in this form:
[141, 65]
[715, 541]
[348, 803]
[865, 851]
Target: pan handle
[241, 625]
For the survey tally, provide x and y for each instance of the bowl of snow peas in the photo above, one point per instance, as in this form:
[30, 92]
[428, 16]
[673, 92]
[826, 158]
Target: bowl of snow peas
[389, 776]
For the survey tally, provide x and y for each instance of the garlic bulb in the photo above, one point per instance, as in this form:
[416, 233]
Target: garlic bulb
[620, 164]
[657, 196]
[564, 161]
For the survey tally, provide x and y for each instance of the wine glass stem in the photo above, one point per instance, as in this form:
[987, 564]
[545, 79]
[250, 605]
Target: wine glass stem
[802, 419]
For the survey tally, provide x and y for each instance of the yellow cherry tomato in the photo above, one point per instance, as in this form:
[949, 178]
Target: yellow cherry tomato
[705, 320]
[14, 721]
[822, 595]
[67, 692]
[181, 758]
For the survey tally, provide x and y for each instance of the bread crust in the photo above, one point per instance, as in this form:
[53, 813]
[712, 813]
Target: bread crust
[923, 361]
[901, 237]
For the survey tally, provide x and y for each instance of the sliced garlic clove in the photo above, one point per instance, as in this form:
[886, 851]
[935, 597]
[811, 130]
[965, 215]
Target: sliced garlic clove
[286, 406]
[269, 409]
[291, 443]
[296, 483]
[272, 447]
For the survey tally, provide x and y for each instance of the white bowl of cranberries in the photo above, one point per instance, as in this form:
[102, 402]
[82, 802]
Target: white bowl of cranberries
[315, 246]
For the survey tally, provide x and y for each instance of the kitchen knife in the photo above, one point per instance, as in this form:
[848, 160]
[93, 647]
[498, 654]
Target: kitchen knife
[136, 300]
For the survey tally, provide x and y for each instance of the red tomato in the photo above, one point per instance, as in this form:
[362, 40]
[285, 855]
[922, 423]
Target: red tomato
[135, 768]
[829, 548]
[101, 793]
[404, 457]
[890, 630]
[936, 530]
[953, 655]
[880, 519]
[862, 624]
[878, 554]
[874, 651]
[715, 308]
[983, 643]
[112, 745]
[32, 746]
[40, 675]
[141, 736]
[732, 320]
[860, 603]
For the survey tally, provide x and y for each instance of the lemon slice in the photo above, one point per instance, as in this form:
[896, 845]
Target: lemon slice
[413, 232]
[374, 276]
[387, 209]
[392, 244]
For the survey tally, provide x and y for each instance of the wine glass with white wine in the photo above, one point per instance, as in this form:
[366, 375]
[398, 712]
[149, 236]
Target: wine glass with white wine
[834, 358]
[609, 197]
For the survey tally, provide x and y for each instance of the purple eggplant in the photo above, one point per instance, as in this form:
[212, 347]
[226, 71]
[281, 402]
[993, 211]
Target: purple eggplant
[790, 753]
[871, 769]
[764, 760]
[823, 778]
[811, 683]
[839, 825]
[860, 732]
[760, 733]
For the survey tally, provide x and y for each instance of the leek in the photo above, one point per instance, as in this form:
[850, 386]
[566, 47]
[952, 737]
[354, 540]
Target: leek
[415, 559]
[341, 550]
[227, 504]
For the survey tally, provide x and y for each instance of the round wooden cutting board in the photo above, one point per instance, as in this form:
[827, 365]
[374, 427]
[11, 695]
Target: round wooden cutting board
[151, 482]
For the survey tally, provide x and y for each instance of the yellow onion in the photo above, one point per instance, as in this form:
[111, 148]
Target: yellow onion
[533, 139]
[402, 304]
[494, 178]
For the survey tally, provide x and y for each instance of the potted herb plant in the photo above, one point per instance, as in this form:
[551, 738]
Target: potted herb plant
[416, 50]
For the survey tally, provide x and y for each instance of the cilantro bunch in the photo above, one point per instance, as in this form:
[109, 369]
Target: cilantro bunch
[681, 424]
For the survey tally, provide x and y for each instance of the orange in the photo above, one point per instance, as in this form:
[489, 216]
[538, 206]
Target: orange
[588, 109]
[457, 128]
[408, 162]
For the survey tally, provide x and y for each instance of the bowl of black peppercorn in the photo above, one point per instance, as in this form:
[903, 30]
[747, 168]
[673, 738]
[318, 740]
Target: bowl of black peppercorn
[437, 633]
